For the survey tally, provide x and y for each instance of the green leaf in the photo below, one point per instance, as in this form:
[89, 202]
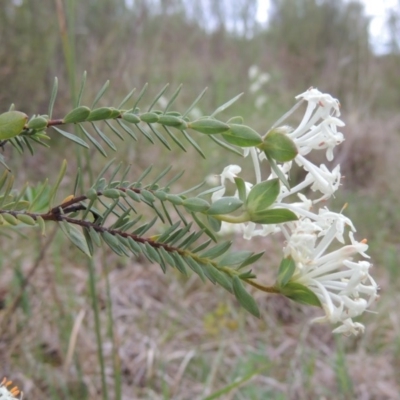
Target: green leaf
[83, 82]
[37, 123]
[193, 105]
[100, 114]
[193, 265]
[170, 120]
[286, 271]
[225, 205]
[88, 239]
[60, 177]
[148, 196]
[241, 187]
[217, 276]
[133, 195]
[226, 105]
[279, 146]
[161, 92]
[195, 204]
[242, 136]
[10, 219]
[108, 141]
[194, 144]
[78, 114]
[215, 224]
[173, 97]
[278, 172]
[174, 138]
[16, 205]
[112, 193]
[41, 224]
[204, 227]
[131, 118]
[127, 97]
[274, 216]
[244, 298]
[95, 236]
[179, 264]
[300, 293]
[96, 144]
[235, 258]
[165, 235]
[235, 120]
[100, 94]
[72, 137]
[152, 252]
[76, 236]
[217, 250]
[251, 260]
[53, 97]
[208, 126]
[141, 94]
[226, 146]
[160, 137]
[11, 124]
[26, 219]
[149, 117]
[262, 196]
[112, 242]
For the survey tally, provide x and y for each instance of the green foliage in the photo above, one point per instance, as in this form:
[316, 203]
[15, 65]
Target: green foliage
[109, 213]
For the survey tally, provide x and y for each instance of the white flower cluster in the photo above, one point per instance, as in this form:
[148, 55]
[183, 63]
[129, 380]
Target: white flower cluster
[9, 394]
[343, 286]
[258, 80]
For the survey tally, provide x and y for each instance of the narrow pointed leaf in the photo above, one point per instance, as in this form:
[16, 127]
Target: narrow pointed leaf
[300, 293]
[198, 98]
[100, 93]
[72, 137]
[76, 236]
[226, 105]
[225, 205]
[244, 298]
[53, 97]
[286, 271]
[274, 216]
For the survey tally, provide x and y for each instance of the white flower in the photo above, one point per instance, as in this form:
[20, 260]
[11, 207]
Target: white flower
[230, 172]
[322, 136]
[320, 178]
[9, 394]
[253, 71]
[318, 128]
[343, 286]
[260, 101]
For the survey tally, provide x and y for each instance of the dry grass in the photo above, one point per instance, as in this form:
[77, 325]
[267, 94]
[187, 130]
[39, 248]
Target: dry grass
[178, 338]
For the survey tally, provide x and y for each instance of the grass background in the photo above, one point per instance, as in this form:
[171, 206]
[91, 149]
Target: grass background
[167, 336]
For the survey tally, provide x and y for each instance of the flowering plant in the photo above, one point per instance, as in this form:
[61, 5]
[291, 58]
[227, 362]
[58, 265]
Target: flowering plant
[313, 271]
[342, 287]
[9, 394]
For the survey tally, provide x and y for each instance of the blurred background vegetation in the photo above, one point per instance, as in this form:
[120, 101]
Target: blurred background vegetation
[173, 337]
